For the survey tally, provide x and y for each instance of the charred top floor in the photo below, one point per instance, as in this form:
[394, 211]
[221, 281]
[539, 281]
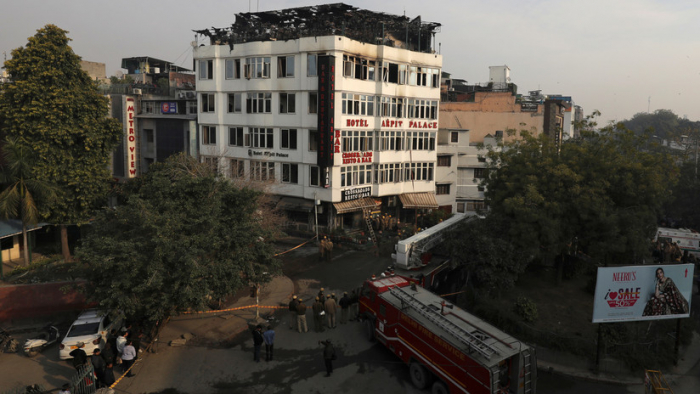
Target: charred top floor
[324, 20]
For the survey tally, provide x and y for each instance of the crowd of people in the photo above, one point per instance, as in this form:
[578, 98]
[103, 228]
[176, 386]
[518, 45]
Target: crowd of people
[667, 251]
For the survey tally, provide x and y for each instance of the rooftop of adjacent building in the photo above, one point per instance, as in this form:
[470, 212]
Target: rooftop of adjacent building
[327, 19]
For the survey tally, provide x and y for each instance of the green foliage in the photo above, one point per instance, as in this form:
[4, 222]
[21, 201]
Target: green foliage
[526, 308]
[662, 123]
[53, 108]
[492, 261]
[434, 217]
[182, 237]
[604, 188]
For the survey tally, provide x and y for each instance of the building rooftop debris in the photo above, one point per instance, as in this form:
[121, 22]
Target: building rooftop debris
[324, 20]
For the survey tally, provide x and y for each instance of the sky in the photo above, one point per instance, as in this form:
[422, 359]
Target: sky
[620, 57]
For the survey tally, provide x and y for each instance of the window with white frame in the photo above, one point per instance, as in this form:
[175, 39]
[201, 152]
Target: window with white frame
[289, 139]
[314, 176]
[285, 66]
[287, 103]
[233, 68]
[355, 175]
[418, 171]
[192, 107]
[421, 140]
[357, 141]
[312, 65]
[236, 136]
[262, 170]
[290, 173]
[390, 173]
[208, 135]
[257, 67]
[261, 137]
[313, 140]
[206, 69]
[313, 102]
[391, 140]
[237, 169]
[235, 102]
[208, 102]
[259, 103]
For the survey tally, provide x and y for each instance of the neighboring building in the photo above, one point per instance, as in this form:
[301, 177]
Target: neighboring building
[95, 70]
[158, 111]
[316, 101]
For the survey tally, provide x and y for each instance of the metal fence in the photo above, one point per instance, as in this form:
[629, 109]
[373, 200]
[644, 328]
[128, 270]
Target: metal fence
[84, 381]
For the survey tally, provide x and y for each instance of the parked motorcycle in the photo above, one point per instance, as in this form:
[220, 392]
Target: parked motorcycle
[46, 337]
[7, 343]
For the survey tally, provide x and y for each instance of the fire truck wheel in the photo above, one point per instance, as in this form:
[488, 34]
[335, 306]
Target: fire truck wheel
[440, 388]
[419, 375]
[369, 330]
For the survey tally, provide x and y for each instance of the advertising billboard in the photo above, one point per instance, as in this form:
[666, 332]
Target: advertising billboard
[646, 292]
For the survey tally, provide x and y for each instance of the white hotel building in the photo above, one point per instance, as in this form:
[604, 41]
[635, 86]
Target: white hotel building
[327, 103]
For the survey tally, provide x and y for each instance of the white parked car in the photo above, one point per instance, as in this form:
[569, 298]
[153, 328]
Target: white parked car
[92, 329]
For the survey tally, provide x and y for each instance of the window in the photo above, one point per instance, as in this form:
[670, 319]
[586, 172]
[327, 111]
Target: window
[289, 139]
[237, 168]
[419, 171]
[475, 205]
[148, 136]
[257, 67]
[235, 136]
[261, 137]
[285, 66]
[290, 173]
[314, 176]
[313, 140]
[481, 159]
[212, 162]
[262, 170]
[208, 102]
[149, 107]
[442, 189]
[454, 137]
[233, 68]
[192, 107]
[206, 69]
[312, 65]
[355, 175]
[259, 103]
[287, 103]
[391, 140]
[479, 173]
[389, 173]
[460, 207]
[358, 68]
[444, 161]
[420, 140]
[234, 102]
[313, 102]
[209, 135]
[499, 133]
[357, 141]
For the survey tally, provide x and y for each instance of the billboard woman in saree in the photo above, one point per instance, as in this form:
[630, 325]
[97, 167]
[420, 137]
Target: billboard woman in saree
[666, 300]
[643, 292]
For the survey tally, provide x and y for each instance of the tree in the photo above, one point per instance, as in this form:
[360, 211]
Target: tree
[53, 108]
[663, 123]
[182, 237]
[603, 190]
[22, 195]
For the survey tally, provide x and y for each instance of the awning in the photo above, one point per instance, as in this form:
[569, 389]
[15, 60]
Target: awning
[425, 200]
[355, 205]
[295, 204]
[11, 227]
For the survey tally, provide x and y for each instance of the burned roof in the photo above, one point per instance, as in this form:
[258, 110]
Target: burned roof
[324, 20]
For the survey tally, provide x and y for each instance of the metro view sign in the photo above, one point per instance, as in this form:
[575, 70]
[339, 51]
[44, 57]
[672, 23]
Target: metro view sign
[130, 138]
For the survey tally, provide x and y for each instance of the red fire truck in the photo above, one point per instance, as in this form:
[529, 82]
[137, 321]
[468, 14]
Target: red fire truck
[446, 348]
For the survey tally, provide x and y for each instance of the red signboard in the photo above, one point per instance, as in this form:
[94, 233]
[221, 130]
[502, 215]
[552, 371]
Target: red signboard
[328, 138]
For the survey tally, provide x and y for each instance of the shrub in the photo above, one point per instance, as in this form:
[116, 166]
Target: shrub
[527, 309]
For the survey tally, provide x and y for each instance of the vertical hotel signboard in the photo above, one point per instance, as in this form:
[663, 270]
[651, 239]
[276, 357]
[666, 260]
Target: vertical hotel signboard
[130, 139]
[326, 116]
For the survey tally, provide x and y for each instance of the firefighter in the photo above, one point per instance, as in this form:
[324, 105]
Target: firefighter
[301, 317]
[318, 317]
[329, 250]
[293, 312]
[322, 249]
[330, 307]
[320, 295]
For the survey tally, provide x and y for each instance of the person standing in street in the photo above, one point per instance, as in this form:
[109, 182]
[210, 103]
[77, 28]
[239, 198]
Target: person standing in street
[109, 375]
[128, 357]
[79, 356]
[98, 365]
[344, 306]
[301, 317]
[330, 306]
[269, 337]
[257, 342]
[328, 355]
[318, 317]
[293, 312]
[121, 342]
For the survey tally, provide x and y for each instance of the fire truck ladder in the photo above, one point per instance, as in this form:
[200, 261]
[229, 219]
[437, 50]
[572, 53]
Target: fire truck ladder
[368, 219]
[527, 369]
[466, 337]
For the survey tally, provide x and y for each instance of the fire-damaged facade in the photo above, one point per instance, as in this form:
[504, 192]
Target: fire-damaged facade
[329, 104]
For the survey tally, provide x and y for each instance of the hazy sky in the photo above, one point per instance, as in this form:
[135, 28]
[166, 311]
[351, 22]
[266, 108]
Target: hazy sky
[620, 57]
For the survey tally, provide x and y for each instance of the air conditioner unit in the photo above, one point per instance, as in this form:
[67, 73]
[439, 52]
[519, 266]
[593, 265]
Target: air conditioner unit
[181, 95]
[137, 91]
[190, 94]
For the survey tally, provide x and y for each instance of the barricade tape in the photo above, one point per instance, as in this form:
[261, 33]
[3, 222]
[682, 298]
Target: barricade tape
[138, 360]
[236, 309]
[296, 247]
